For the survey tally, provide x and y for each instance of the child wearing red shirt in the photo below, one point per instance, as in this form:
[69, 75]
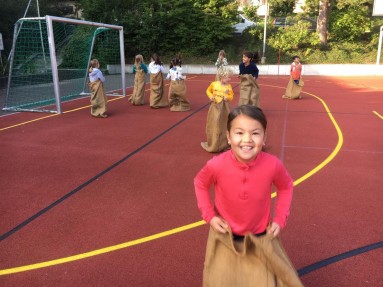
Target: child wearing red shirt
[243, 248]
[294, 87]
[296, 69]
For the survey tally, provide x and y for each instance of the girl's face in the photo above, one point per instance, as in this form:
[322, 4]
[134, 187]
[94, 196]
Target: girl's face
[297, 60]
[225, 80]
[245, 59]
[246, 137]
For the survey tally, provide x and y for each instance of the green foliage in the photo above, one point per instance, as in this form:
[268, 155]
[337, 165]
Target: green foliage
[199, 28]
[342, 53]
[311, 7]
[344, 4]
[167, 26]
[350, 24]
[251, 13]
[76, 53]
[294, 37]
[13, 10]
[281, 7]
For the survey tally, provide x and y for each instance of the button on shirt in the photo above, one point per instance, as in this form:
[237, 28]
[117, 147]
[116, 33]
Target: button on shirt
[243, 192]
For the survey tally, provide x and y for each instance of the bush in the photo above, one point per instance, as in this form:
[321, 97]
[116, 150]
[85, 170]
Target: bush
[294, 37]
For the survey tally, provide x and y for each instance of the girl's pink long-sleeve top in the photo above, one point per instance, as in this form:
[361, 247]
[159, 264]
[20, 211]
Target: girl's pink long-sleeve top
[242, 192]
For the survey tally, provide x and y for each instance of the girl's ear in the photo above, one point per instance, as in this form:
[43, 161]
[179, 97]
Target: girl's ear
[228, 137]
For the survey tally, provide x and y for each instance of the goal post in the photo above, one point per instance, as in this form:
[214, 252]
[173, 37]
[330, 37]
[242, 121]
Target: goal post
[50, 60]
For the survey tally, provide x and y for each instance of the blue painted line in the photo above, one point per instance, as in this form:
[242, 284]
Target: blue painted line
[77, 189]
[313, 267]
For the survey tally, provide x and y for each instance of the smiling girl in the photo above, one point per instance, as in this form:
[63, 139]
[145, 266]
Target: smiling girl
[241, 221]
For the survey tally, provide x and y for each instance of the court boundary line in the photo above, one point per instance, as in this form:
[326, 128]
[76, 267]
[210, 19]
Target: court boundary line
[94, 178]
[115, 98]
[178, 229]
[377, 114]
[342, 256]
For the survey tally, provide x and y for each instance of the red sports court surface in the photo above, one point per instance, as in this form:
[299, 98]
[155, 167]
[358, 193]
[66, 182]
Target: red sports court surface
[110, 202]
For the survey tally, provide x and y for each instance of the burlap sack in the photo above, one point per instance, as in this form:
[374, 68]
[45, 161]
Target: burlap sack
[177, 96]
[157, 91]
[98, 99]
[216, 126]
[249, 93]
[256, 262]
[138, 95]
[293, 90]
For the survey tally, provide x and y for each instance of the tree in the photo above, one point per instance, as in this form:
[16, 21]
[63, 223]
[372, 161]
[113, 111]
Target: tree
[322, 22]
[281, 7]
[311, 8]
[166, 26]
[350, 20]
[13, 10]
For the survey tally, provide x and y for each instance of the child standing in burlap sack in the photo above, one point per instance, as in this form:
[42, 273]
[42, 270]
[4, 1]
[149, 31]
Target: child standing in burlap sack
[157, 88]
[221, 62]
[98, 98]
[139, 71]
[220, 94]
[248, 75]
[294, 87]
[178, 101]
[243, 247]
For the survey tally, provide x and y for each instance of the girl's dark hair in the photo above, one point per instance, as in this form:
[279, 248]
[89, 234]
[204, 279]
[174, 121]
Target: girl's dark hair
[294, 57]
[176, 62]
[250, 111]
[254, 57]
[156, 59]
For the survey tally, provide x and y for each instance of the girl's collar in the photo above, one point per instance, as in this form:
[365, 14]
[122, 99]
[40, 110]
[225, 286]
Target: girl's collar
[245, 165]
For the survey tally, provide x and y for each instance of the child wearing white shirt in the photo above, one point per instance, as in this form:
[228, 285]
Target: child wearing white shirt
[178, 101]
[98, 98]
[157, 88]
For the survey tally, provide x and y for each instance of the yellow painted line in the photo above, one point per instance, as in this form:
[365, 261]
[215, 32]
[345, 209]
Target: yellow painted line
[379, 115]
[175, 230]
[28, 122]
[331, 156]
[101, 251]
[70, 111]
[334, 152]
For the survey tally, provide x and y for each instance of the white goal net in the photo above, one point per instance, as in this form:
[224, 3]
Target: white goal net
[50, 59]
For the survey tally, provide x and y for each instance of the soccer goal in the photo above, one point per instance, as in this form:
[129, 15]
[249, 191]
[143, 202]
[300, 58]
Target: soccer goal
[50, 59]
